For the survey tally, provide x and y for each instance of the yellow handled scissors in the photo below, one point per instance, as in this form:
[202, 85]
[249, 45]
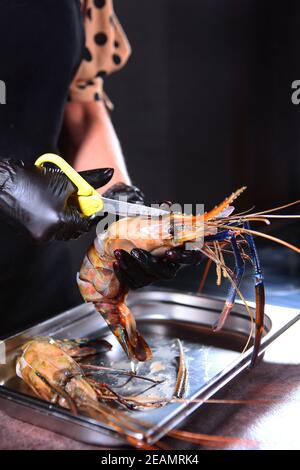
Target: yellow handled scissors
[89, 200]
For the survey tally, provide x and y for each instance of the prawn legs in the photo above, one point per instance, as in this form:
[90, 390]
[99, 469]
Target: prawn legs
[239, 270]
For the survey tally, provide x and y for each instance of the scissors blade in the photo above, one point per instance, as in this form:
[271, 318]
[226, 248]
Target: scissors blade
[128, 209]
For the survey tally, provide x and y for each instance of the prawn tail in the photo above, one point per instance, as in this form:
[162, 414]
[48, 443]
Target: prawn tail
[122, 324]
[141, 351]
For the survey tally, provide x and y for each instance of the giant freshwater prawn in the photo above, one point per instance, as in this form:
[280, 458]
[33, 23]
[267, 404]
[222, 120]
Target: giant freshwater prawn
[99, 284]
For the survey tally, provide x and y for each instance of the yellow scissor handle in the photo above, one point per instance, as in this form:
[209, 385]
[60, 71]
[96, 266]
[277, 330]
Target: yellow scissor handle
[89, 200]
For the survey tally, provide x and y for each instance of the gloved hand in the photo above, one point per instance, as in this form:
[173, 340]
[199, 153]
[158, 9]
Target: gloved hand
[140, 268]
[37, 200]
[129, 193]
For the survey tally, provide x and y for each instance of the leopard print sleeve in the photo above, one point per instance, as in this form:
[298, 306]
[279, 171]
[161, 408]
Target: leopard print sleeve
[106, 50]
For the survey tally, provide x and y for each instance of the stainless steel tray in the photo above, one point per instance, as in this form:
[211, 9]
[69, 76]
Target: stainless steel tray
[213, 359]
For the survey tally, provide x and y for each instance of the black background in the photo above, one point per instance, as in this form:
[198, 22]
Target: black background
[204, 104]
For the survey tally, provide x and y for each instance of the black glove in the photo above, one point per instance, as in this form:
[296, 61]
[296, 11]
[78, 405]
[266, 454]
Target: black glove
[37, 200]
[139, 268]
[182, 256]
[129, 193]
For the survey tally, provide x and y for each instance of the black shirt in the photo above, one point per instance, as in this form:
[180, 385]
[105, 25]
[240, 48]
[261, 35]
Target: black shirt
[41, 46]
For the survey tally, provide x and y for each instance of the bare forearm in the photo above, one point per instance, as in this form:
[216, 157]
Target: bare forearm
[93, 141]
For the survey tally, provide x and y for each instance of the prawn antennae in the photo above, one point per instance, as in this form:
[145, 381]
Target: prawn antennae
[182, 375]
[279, 208]
[263, 235]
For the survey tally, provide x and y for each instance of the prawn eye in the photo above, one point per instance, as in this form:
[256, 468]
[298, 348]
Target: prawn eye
[62, 376]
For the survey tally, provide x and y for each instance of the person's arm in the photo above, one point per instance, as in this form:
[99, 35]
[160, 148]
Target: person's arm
[88, 136]
[92, 140]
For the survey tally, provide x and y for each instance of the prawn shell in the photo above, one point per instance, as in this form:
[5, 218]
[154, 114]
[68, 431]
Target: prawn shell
[43, 358]
[100, 274]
